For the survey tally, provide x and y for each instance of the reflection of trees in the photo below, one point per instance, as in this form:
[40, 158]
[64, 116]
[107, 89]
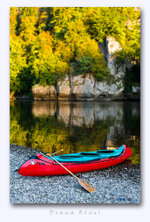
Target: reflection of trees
[22, 112]
[131, 118]
[52, 127]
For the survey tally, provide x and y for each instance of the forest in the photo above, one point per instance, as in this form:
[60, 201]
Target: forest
[48, 43]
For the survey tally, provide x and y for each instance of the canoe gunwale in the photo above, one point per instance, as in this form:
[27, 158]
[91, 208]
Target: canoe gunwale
[41, 165]
[85, 162]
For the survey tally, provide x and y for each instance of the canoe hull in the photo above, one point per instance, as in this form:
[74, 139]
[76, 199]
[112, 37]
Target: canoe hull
[43, 166]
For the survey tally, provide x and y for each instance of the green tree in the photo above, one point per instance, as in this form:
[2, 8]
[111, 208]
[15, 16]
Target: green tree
[46, 43]
[49, 65]
[123, 23]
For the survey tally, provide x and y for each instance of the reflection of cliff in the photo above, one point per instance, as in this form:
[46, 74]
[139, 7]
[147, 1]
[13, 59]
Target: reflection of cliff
[85, 114]
[44, 108]
[79, 114]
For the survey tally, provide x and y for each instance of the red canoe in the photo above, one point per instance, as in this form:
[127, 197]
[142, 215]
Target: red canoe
[41, 165]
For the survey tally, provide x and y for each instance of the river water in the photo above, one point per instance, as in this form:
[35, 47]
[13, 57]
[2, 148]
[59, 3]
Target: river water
[75, 126]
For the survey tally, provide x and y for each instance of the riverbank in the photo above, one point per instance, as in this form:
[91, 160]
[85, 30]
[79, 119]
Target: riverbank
[115, 185]
[82, 88]
[125, 97]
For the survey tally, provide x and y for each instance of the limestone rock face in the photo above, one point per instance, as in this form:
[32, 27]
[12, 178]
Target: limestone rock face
[135, 89]
[83, 87]
[64, 89]
[90, 89]
[112, 47]
[44, 92]
[109, 48]
[53, 94]
[106, 90]
[80, 88]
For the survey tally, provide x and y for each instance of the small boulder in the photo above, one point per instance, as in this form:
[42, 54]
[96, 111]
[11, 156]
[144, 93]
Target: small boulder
[44, 92]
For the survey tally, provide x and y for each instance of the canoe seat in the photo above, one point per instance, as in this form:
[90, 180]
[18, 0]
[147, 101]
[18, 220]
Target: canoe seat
[89, 154]
[105, 151]
[69, 156]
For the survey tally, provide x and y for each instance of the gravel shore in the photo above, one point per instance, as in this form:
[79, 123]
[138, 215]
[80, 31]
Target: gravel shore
[115, 185]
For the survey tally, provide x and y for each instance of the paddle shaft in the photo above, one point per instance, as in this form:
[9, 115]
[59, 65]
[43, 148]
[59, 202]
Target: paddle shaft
[64, 167]
[48, 154]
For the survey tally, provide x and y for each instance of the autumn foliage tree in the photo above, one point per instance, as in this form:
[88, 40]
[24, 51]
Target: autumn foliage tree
[46, 43]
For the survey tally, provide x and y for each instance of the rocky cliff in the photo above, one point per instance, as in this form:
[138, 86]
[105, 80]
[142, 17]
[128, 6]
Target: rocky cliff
[86, 87]
[81, 88]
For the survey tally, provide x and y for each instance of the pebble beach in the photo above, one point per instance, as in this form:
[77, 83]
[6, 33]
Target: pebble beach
[119, 184]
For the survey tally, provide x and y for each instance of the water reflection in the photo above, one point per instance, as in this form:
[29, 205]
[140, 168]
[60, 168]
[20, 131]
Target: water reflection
[77, 126]
[78, 114]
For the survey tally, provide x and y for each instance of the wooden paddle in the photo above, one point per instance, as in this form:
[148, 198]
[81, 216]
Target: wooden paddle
[83, 184]
[48, 154]
[110, 148]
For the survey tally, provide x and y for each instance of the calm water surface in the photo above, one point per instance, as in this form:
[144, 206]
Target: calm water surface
[75, 126]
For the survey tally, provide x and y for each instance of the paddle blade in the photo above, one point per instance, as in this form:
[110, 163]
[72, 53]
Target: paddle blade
[111, 148]
[86, 186]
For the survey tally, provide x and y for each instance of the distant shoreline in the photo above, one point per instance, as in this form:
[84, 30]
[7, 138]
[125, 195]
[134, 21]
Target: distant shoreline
[29, 98]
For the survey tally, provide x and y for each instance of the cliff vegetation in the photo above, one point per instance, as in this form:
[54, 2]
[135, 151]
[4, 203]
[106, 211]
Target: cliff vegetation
[46, 44]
